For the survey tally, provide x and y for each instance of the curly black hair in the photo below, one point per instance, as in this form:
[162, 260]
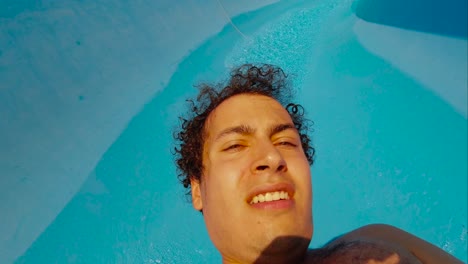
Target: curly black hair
[263, 79]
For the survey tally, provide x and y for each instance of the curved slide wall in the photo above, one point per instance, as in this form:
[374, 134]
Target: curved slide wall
[72, 75]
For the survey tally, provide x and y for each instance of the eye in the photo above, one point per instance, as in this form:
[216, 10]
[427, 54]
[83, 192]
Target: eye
[286, 143]
[233, 147]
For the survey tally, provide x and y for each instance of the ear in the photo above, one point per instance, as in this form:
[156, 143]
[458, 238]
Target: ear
[196, 194]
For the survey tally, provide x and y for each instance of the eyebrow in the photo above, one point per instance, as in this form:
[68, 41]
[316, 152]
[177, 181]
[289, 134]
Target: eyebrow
[242, 130]
[280, 128]
[247, 130]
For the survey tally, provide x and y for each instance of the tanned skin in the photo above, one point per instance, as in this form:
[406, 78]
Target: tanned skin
[246, 156]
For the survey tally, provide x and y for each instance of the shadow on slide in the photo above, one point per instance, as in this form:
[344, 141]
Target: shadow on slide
[447, 17]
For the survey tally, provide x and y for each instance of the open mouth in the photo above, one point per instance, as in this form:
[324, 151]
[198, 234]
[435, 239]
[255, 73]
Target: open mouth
[269, 197]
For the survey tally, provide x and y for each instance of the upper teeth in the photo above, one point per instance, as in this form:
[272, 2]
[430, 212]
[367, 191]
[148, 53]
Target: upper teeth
[269, 196]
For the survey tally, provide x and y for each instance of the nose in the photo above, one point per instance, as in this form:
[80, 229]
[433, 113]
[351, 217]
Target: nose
[268, 158]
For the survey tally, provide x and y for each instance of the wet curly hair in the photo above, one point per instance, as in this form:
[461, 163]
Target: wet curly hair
[264, 79]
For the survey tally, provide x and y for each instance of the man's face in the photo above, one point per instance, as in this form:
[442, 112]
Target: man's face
[256, 183]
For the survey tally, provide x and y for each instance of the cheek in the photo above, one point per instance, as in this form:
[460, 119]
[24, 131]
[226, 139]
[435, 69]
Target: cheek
[300, 166]
[300, 170]
[222, 182]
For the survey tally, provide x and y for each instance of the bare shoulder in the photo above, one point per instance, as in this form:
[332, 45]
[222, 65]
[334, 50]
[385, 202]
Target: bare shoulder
[399, 240]
[361, 251]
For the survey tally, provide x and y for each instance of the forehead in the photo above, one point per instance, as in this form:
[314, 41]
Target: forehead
[250, 109]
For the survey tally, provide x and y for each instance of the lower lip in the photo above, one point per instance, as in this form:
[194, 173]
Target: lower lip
[280, 204]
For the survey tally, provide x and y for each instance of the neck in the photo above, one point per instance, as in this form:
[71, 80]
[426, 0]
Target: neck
[288, 249]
